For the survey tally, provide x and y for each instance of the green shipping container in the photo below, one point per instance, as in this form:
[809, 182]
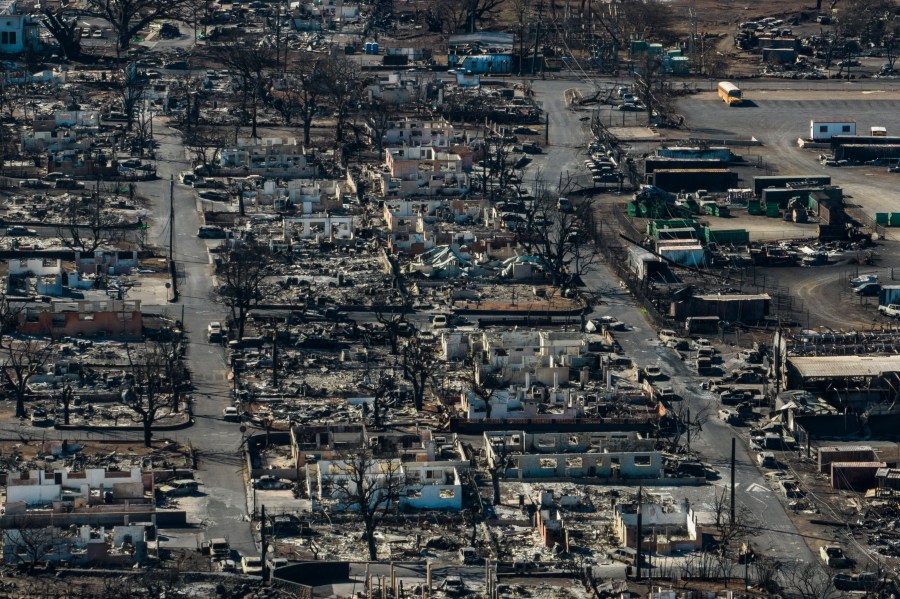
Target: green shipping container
[773, 210]
[895, 219]
[673, 224]
[733, 236]
[882, 218]
[680, 65]
[754, 207]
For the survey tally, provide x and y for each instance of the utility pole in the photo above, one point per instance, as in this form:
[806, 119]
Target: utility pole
[537, 37]
[732, 479]
[692, 50]
[275, 357]
[688, 422]
[640, 532]
[264, 543]
[173, 272]
[171, 218]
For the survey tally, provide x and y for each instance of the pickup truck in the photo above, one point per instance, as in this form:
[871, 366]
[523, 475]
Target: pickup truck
[863, 279]
[833, 556]
[216, 548]
[892, 310]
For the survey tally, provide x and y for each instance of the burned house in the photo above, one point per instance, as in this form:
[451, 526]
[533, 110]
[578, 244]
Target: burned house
[333, 484]
[273, 157]
[565, 456]
[113, 319]
[667, 527]
[92, 496]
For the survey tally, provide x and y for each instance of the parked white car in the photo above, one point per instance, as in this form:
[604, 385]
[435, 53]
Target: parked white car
[892, 310]
[251, 565]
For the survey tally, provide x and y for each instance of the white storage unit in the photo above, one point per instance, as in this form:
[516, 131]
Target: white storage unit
[822, 130]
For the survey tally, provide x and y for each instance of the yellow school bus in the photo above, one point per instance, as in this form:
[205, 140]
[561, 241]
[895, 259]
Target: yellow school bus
[730, 93]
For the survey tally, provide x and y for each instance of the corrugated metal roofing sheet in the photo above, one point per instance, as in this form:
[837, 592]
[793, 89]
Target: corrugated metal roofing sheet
[844, 366]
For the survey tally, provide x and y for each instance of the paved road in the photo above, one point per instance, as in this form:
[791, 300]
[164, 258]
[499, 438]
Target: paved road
[642, 344]
[218, 442]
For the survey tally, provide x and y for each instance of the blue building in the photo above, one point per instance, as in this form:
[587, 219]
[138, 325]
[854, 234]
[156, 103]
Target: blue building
[482, 53]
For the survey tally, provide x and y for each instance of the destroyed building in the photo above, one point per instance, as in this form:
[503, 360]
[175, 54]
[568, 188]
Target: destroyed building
[667, 528]
[115, 319]
[549, 456]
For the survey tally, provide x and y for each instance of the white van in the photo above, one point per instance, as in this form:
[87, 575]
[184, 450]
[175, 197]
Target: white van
[439, 321]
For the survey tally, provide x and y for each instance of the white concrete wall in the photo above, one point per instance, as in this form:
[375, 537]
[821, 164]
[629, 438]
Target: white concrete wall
[33, 494]
[37, 266]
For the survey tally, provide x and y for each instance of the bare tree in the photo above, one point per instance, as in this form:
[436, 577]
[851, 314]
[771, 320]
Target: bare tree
[146, 391]
[175, 371]
[131, 94]
[484, 383]
[497, 465]
[342, 84]
[161, 583]
[379, 120]
[381, 385]
[731, 531]
[767, 572]
[65, 398]
[562, 239]
[501, 168]
[65, 30]
[418, 363]
[648, 19]
[683, 422]
[87, 224]
[454, 16]
[652, 88]
[868, 20]
[10, 315]
[522, 10]
[205, 142]
[392, 315]
[23, 358]
[32, 545]
[371, 487]
[143, 127]
[242, 272]
[891, 43]
[249, 60]
[808, 580]
[127, 17]
[307, 79]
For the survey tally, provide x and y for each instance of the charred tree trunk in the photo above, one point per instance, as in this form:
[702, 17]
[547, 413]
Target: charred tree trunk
[67, 34]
